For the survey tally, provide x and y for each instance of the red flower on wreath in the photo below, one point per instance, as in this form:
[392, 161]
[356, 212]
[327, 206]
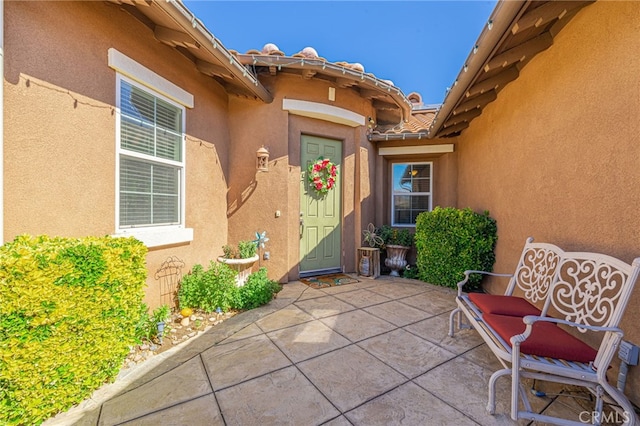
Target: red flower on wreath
[323, 175]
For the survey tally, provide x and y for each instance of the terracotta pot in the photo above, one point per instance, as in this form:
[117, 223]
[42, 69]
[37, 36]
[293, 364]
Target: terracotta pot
[396, 258]
[241, 266]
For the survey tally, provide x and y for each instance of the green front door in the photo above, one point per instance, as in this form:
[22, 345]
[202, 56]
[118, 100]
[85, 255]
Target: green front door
[320, 225]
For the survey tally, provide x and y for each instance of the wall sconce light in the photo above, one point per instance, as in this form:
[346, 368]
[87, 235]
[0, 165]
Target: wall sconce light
[372, 123]
[262, 160]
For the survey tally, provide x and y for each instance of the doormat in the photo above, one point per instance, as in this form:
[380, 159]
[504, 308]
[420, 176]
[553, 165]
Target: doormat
[331, 280]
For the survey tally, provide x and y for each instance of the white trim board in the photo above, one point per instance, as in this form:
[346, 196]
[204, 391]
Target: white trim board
[143, 75]
[323, 112]
[416, 149]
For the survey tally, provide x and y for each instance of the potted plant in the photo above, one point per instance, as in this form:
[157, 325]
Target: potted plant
[240, 259]
[160, 316]
[396, 243]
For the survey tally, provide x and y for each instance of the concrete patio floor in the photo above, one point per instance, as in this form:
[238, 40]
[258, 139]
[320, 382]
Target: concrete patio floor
[371, 353]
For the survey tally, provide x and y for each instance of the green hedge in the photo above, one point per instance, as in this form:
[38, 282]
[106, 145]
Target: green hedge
[450, 241]
[67, 320]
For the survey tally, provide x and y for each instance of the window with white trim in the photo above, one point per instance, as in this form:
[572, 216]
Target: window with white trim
[411, 192]
[150, 158]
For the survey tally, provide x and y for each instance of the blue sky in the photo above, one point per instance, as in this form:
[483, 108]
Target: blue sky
[419, 45]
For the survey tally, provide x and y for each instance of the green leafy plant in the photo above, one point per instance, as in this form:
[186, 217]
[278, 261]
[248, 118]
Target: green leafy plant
[208, 289]
[247, 249]
[215, 288]
[162, 314]
[410, 271]
[257, 291]
[450, 241]
[228, 251]
[69, 314]
[145, 328]
[395, 236]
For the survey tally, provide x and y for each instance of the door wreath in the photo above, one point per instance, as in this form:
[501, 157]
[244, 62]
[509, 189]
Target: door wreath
[322, 175]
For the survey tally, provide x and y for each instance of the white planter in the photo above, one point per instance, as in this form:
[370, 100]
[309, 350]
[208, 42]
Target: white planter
[241, 266]
[396, 258]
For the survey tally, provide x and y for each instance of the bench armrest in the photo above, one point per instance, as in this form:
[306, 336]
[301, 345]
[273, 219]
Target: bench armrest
[469, 272]
[530, 319]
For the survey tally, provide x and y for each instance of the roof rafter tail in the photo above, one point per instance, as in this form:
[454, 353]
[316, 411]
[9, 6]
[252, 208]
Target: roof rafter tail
[174, 38]
[521, 52]
[476, 102]
[546, 13]
[465, 116]
[498, 80]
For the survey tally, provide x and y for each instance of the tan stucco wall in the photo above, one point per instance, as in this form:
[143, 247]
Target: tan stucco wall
[60, 127]
[557, 155]
[255, 197]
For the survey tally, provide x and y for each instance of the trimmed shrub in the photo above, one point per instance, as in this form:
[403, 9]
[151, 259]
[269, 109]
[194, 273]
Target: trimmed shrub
[67, 320]
[450, 241]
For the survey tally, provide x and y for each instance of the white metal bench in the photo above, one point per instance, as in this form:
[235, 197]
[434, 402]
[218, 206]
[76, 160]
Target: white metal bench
[553, 291]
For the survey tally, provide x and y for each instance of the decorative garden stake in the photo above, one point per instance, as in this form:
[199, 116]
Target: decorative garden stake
[260, 241]
[371, 238]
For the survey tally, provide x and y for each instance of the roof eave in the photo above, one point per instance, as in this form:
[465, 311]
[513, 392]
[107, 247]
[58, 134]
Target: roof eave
[498, 26]
[378, 137]
[192, 26]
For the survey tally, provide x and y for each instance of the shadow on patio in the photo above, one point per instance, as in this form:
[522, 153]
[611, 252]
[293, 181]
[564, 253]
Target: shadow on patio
[369, 353]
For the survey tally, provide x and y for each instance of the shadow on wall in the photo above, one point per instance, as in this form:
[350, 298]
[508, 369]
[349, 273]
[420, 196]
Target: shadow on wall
[235, 205]
[249, 188]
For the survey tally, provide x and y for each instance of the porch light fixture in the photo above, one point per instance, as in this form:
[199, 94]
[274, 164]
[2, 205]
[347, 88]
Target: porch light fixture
[262, 160]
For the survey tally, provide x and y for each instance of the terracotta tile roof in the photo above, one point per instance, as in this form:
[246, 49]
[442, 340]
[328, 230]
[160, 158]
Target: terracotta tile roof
[391, 105]
[416, 128]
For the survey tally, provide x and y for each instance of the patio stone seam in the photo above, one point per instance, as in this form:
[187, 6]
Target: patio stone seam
[416, 307]
[213, 389]
[249, 379]
[438, 343]
[318, 389]
[377, 396]
[404, 325]
[373, 304]
[315, 318]
[158, 359]
[164, 409]
[295, 363]
[355, 342]
[283, 328]
[446, 403]
[401, 373]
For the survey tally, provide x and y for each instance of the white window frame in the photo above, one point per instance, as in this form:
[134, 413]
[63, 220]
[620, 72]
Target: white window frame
[145, 79]
[430, 193]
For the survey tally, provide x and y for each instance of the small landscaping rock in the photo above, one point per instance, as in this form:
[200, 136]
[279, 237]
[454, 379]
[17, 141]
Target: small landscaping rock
[178, 334]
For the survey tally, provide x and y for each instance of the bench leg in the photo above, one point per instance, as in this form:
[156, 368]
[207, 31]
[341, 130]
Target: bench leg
[491, 406]
[452, 319]
[629, 415]
[515, 392]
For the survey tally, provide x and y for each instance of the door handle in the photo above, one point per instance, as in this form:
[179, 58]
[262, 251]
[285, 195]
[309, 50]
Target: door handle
[301, 223]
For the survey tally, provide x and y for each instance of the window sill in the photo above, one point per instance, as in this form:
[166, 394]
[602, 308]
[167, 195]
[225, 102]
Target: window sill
[158, 237]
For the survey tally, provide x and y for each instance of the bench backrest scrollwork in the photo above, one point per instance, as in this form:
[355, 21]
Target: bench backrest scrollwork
[536, 270]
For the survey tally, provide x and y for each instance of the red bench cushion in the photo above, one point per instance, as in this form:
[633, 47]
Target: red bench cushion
[546, 339]
[503, 305]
